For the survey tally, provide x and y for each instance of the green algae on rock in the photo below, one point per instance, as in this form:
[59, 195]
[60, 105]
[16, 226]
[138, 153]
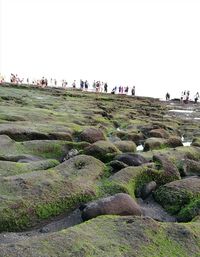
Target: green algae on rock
[181, 197]
[28, 198]
[113, 236]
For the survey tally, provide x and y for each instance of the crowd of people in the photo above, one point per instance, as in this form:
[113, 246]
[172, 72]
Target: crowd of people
[97, 86]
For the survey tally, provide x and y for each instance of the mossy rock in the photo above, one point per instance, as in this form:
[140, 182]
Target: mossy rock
[125, 146]
[160, 133]
[134, 136]
[174, 141]
[20, 133]
[113, 236]
[102, 150]
[155, 143]
[168, 170]
[196, 141]
[191, 168]
[27, 199]
[8, 168]
[131, 159]
[53, 149]
[181, 197]
[91, 135]
[160, 143]
[130, 180]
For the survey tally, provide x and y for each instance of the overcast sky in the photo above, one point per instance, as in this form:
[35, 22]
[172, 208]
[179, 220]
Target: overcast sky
[154, 45]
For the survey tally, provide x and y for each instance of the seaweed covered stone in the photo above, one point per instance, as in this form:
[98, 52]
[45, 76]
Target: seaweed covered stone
[181, 197]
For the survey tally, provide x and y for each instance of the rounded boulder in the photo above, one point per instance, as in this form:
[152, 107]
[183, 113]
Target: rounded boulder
[119, 204]
[91, 135]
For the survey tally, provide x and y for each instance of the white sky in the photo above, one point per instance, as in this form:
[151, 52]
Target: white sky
[154, 45]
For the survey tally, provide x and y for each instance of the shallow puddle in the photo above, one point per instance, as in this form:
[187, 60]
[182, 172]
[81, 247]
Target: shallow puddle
[140, 148]
[182, 111]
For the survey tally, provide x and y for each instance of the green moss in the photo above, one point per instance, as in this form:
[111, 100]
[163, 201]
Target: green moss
[161, 245]
[47, 210]
[113, 236]
[129, 180]
[190, 211]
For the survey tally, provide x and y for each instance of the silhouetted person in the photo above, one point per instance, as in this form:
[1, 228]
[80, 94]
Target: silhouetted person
[167, 96]
[106, 87]
[133, 91]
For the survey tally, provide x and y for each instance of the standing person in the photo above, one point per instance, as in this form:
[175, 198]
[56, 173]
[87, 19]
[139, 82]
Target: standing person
[120, 89]
[167, 96]
[94, 85]
[74, 84]
[81, 84]
[126, 90]
[181, 100]
[133, 91]
[97, 86]
[196, 97]
[187, 97]
[46, 82]
[86, 85]
[106, 87]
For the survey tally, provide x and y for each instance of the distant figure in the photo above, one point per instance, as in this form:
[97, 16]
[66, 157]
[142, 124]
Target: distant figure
[46, 82]
[97, 86]
[114, 90]
[196, 97]
[94, 85]
[187, 96]
[167, 96]
[86, 85]
[106, 87]
[126, 90]
[133, 91]
[74, 84]
[182, 95]
[81, 84]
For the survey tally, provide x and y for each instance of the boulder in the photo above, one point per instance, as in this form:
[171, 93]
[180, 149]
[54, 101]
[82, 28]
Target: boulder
[117, 165]
[196, 141]
[168, 171]
[181, 197]
[147, 189]
[92, 135]
[119, 204]
[22, 133]
[112, 236]
[10, 168]
[102, 150]
[131, 159]
[160, 133]
[47, 193]
[5, 141]
[174, 142]
[191, 168]
[153, 143]
[125, 146]
[60, 136]
[134, 136]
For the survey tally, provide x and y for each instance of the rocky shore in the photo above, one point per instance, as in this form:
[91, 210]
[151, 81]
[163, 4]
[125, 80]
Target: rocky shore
[89, 174]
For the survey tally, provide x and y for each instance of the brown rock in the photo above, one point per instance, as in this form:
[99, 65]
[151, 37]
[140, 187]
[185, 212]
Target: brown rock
[92, 135]
[119, 204]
